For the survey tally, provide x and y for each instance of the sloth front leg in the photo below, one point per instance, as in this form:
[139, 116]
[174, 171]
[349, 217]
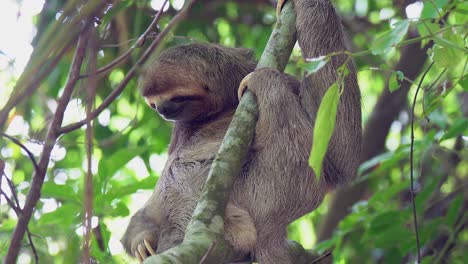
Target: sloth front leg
[141, 237]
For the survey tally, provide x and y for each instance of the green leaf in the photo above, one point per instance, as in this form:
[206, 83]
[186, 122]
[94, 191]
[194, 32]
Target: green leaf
[429, 229]
[389, 160]
[460, 127]
[390, 38]
[427, 260]
[394, 83]
[119, 210]
[60, 192]
[375, 162]
[427, 191]
[323, 129]
[427, 28]
[463, 82]
[383, 196]
[110, 165]
[434, 96]
[432, 8]
[384, 221]
[392, 236]
[121, 190]
[454, 210]
[315, 64]
[64, 216]
[448, 49]
[327, 244]
[393, 255]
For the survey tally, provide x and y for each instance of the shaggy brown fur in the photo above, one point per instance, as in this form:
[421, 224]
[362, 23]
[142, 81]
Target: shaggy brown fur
[195, 86]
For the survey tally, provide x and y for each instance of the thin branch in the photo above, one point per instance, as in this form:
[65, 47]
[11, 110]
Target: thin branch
[22, 146]
[88, 182]
[10, 203]
[208, 252]
[138, 43]
[413, 194]
[15, 205]
[119, 89]
[322, 257]
[52, 135]
[33, 248]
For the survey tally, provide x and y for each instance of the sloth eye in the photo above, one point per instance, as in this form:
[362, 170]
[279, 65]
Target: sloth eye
[153, 105]
[206, 88]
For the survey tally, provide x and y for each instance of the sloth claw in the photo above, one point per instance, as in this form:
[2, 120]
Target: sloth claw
[137, 255]
[148, 247]
[279, 7]
[142, 251]
[243, 85]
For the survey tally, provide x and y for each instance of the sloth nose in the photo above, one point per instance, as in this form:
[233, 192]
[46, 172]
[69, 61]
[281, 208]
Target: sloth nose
[169, 109]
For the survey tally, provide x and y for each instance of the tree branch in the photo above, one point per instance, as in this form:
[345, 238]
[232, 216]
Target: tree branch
[88, 182]
[206, 227]
[52, 135]
[23, 147]
[15, 205]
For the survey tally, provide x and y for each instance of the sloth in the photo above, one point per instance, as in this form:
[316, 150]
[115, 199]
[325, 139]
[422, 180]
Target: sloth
[196, 86]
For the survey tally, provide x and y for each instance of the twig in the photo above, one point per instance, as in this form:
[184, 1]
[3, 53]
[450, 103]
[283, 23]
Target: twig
[88, 182]
[15, 205]
[322, 257]
[10, 203]
[17, 142]
[413, 194]
[119, 89]
[208, 252]
[52, 135]
[138, 43]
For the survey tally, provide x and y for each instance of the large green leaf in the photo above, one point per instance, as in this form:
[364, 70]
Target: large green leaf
[109, 166]
[315, 64]
[392, 236]
[433, 8]
[323, 129]
[383, 196]
[448, 49]
[65, 216]
[383, 221]
[390, 38]
[459, 128]
[395, 80]
[60, 192]
[454, 210]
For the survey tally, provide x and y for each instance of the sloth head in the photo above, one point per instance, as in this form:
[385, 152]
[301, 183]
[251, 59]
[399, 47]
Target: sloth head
[195, 82]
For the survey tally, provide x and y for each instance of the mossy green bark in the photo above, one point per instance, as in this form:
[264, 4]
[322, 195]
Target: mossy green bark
[204, 238]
